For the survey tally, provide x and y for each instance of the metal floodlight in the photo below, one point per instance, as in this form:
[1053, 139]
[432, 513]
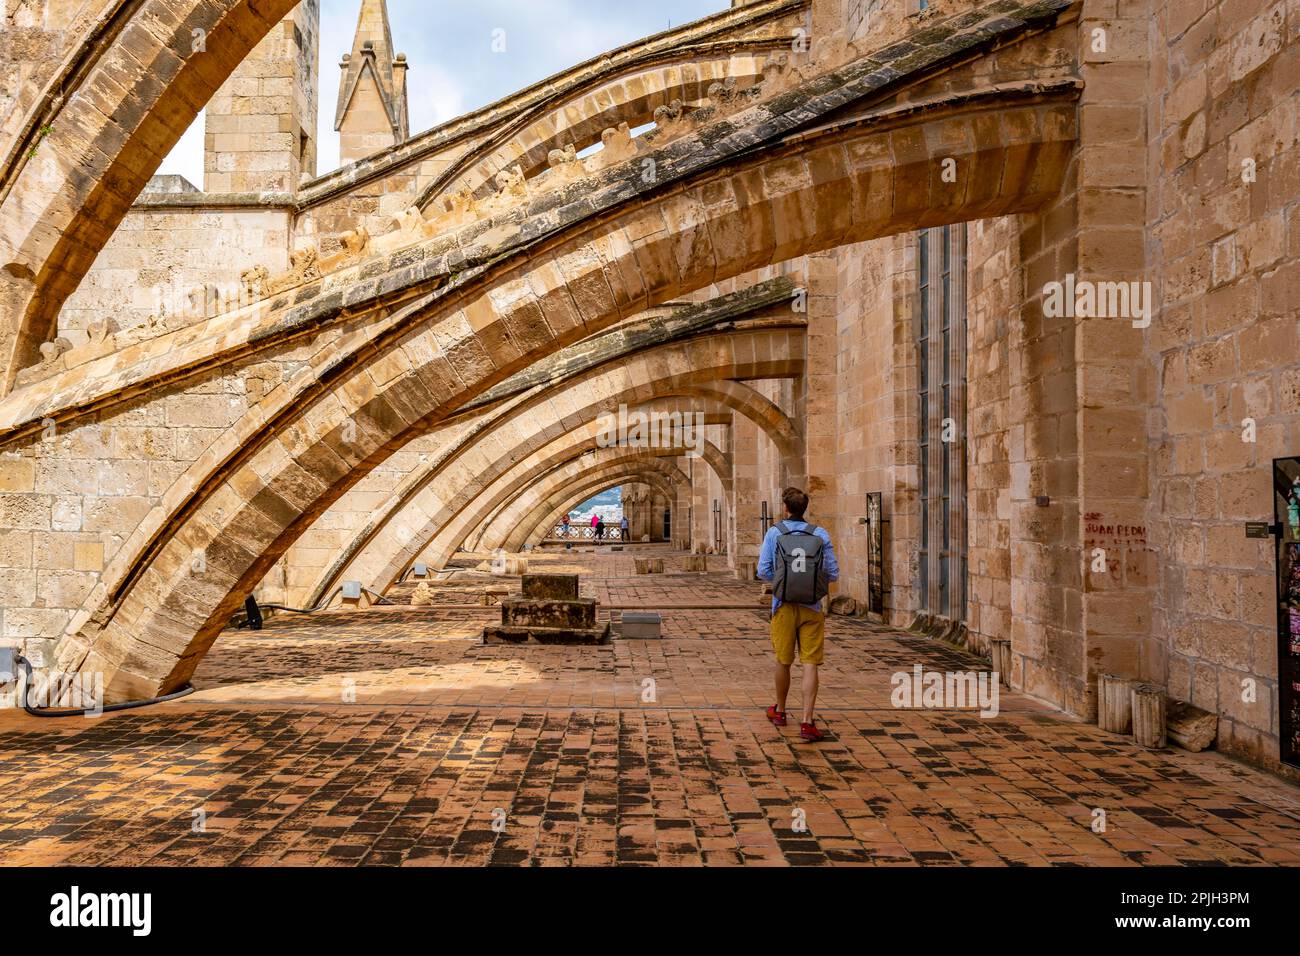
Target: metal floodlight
[421, 570]
[351, 590]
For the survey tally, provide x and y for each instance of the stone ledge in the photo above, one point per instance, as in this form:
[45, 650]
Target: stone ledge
[532, 634]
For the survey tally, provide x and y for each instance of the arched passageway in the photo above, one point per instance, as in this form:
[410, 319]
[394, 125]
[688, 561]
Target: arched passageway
[712, 214]
[430, 503]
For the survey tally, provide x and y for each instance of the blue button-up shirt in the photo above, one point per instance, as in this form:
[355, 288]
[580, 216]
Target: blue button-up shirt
[767, 558]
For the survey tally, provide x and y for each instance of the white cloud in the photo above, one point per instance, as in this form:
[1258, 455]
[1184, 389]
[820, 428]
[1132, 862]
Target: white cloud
[437, 98]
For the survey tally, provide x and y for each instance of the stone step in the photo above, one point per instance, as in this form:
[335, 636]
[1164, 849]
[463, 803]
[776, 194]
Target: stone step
[529, 612]
[507, 634]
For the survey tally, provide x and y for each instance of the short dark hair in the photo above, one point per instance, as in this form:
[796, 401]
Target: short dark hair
[795, 501]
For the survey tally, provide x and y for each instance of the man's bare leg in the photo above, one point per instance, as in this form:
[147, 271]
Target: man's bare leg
[782, 685]
[809, 690]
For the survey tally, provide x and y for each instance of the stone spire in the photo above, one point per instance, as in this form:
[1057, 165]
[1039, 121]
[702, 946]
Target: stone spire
[372, 111]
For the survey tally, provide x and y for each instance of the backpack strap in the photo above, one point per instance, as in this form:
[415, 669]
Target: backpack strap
[785, 528]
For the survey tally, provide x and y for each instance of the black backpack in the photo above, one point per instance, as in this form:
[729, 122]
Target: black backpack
[798, 576]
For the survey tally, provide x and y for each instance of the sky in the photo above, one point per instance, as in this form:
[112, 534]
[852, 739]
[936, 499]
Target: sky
[453, 66]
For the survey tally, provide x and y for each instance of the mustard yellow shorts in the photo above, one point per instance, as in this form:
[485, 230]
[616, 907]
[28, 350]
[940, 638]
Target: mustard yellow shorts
[803, 627]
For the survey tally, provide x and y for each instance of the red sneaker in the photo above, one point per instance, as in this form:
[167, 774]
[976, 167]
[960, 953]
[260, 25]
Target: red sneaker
[810, 733]
[776, 716]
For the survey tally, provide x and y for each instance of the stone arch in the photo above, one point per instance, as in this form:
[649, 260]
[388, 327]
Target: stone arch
[653, 480]
[765, 413]
[718, 462]
[660, 62]
[386, 557]
[87, 147]
[655, 484]
[583, 114]
[672, 493]
[532, 527]
[685, 368]
[721, 210]
[513, 527]
[574, 458]
[138, 76]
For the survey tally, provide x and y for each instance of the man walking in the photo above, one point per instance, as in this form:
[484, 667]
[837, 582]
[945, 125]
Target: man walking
[799, 559]
[624, 531]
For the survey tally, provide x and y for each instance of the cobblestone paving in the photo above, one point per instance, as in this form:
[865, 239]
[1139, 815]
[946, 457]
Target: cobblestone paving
[390, 736]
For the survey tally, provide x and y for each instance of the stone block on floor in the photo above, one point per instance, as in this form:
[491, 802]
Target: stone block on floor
[494, 594]
[551, 587]
[548, 612]
[642, 626]
[844, 605]
[517, 612]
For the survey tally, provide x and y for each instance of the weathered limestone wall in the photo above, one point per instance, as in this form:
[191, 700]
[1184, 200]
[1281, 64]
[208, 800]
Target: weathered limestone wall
[38, 36]
[259, 138]
[260, 127]
[303, 564]
[1224, 252]
[70, 498]
[877, 425]
[993, 292]
[163, 251]
[875, 445]
[261, 141]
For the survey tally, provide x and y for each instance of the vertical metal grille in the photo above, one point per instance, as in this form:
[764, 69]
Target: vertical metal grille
[923, 419]
[941, 421]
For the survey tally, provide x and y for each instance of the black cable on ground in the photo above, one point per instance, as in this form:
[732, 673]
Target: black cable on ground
[320, 606]
[86, 712]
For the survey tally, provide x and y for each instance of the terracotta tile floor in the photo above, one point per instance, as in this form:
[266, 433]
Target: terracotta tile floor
[391, 736]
